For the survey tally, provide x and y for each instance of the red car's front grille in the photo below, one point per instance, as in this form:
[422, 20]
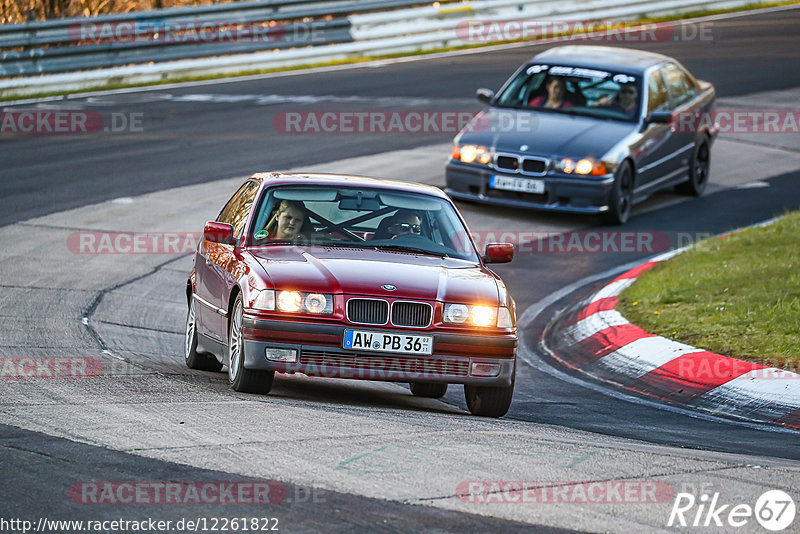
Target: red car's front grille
[368, 311]
[376, 312]
[413, 365]
[416, 314]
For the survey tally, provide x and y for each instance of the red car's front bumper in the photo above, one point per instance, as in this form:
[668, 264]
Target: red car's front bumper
[320, 353]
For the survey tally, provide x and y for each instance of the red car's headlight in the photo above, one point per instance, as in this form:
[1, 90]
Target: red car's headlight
[299, 302]
[477, 315]
[294, 302]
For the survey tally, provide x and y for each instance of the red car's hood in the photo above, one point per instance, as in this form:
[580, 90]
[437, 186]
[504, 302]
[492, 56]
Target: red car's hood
[363, 272]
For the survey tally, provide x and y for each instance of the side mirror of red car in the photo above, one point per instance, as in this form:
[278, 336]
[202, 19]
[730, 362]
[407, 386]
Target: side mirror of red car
[218, 232]
[499, 253]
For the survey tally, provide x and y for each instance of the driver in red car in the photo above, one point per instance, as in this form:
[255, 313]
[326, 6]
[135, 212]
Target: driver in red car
[405, 222]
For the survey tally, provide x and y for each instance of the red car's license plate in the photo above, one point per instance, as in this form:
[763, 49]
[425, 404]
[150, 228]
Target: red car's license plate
[383, 342]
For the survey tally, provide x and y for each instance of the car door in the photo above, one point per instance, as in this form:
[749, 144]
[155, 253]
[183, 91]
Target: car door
[216, 263]
[657, 142]
[683, 102]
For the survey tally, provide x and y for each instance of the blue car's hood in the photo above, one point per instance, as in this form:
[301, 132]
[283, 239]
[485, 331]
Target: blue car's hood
[544, 133]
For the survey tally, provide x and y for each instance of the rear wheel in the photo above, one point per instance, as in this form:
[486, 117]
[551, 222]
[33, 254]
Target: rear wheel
[431, 391]
[489, 401]
[241, 379]
[698, 171]
[194, 359]
[621, 201]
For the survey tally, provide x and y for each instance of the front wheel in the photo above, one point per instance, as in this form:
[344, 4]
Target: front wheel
[489, 401]
[621, 200]
[241, 379]
[431, 391]
[698, 171]
[194, 359]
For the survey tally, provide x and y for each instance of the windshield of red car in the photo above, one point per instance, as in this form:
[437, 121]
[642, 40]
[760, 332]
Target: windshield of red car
[373, 218]
[574, 90]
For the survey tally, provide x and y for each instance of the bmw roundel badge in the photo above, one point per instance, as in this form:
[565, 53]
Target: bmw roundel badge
[388, 287]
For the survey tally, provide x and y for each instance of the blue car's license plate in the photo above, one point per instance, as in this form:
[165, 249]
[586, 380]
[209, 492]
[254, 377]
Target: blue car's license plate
[509, 183]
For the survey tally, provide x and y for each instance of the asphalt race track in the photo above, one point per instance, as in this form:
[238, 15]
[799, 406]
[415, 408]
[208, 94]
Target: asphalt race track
[351, 455]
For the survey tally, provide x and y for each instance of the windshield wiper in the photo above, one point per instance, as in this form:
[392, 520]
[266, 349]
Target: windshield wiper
[342, 244]
[324, 244]
[404, 248]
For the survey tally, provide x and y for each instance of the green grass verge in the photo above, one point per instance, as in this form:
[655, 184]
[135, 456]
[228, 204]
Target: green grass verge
[111, 86]
[738, 296]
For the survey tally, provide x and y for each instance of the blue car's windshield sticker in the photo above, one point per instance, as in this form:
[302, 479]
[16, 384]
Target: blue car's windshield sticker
[578, 71]
[536, 69]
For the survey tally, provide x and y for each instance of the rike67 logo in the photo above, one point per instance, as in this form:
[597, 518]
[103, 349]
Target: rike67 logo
[774, 510]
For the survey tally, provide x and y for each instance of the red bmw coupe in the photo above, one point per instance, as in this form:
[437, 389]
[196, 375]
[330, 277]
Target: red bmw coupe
[351, 277]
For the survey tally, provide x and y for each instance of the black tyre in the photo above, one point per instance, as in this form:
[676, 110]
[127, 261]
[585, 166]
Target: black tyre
[621, 201]
[698, 171]
[431, 391]
[241, 379]
[194, 359]
[489, 401]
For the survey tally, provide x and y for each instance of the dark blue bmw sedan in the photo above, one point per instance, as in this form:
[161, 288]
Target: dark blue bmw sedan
[586, 129]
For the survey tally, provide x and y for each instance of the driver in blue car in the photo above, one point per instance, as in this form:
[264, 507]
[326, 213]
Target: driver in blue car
[625, 101]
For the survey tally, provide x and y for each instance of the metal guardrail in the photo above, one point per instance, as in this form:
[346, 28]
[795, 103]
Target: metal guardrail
[179, 33]
[346, 29]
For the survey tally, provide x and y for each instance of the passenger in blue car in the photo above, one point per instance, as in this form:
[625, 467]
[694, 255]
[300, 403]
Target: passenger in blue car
[556, 96]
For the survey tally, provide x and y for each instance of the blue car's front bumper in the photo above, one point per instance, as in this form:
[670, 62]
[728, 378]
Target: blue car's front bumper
[566, 194]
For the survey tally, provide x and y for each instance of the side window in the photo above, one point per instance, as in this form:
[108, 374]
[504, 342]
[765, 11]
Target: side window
[226, 213]
[238, 207]
[681, 87]
[657, 95]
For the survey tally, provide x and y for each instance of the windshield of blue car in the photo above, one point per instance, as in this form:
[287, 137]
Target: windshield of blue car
[574, 90]
[383, 219]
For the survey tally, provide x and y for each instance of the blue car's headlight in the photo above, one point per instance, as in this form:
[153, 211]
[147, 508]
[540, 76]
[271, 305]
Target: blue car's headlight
[585, 166]
[472, 154]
